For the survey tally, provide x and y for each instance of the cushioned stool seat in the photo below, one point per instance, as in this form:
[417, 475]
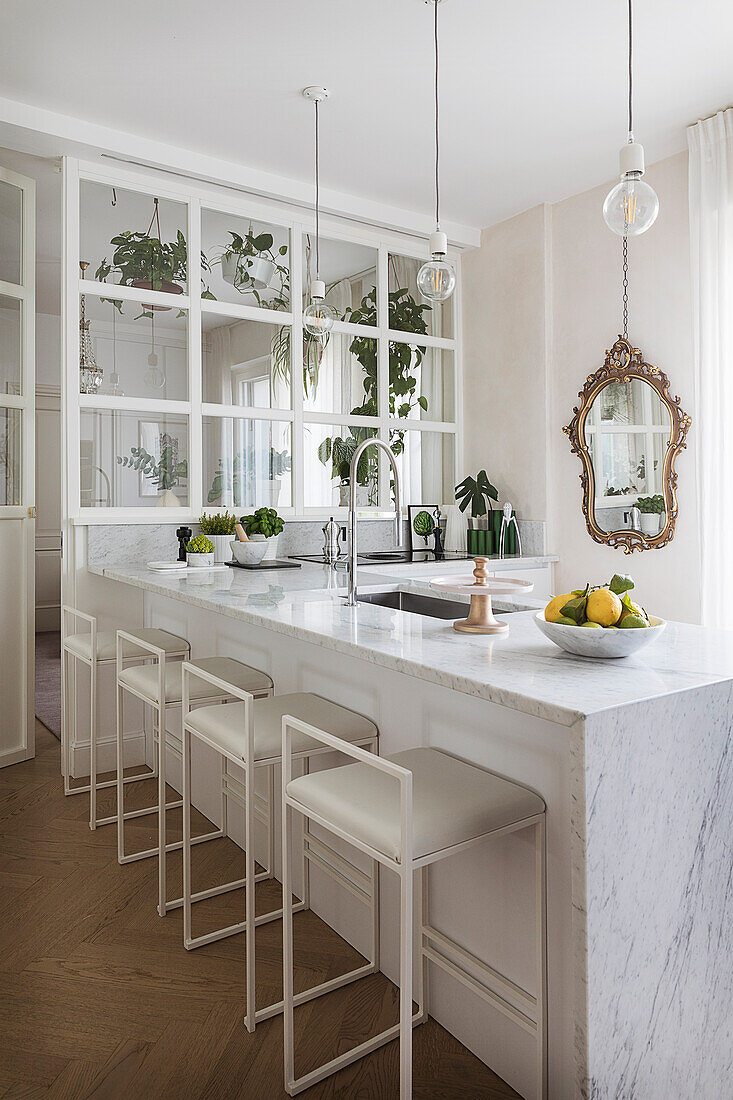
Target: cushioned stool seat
[143, 679]
[452, 801]
[81, 644]
[223, 725]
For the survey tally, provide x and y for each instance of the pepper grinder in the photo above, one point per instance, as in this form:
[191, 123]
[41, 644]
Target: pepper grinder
[183, 534]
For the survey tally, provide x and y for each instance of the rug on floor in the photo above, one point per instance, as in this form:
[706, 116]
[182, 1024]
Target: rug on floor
[48, 681]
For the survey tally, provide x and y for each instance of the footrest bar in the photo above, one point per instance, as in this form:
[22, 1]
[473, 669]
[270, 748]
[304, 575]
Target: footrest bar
[482, 991]
[236, 929]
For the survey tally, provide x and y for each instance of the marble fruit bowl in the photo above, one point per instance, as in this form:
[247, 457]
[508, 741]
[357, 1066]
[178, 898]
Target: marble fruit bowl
[599, 643]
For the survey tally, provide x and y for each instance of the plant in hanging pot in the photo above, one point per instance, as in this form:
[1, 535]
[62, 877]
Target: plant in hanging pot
[251, 265]
[479, 493]
[166, 472]
[200, 552]
[652, 510]
[219, 529]
[263, 526]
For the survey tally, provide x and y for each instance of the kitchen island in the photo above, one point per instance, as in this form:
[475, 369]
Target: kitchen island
[633, 758]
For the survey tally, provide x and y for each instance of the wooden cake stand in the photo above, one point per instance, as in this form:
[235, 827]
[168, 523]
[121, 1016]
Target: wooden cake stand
[480, 615]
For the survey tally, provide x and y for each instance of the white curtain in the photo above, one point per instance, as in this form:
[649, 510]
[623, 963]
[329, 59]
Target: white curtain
[711, 237]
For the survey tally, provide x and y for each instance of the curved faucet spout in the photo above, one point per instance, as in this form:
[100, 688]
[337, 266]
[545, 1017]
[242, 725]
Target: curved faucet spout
[380, 444]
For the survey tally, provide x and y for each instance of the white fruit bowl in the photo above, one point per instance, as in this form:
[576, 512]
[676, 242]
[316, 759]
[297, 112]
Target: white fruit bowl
[587, 642]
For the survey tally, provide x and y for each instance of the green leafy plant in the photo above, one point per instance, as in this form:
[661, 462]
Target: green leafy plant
[265, 521]
[245, 250]
[651, 505]
[200, 545]
[340, 451]
[166, 473]
[478, 492]
[239, 474]
[219, 524]
[147, 262]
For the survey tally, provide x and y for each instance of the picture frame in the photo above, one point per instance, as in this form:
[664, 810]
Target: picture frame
[417, 540]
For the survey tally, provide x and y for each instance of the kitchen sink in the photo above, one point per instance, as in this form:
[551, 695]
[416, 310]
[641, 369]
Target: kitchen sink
[415, 604]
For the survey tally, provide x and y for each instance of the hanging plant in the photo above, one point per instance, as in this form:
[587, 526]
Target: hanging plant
[251, 266]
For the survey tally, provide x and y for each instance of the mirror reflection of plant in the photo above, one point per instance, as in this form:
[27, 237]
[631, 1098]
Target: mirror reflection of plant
[239, 475]
[166, 472]
[651, 505]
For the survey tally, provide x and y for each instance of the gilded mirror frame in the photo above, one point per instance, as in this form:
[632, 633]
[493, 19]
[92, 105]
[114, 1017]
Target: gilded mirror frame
[624, 363]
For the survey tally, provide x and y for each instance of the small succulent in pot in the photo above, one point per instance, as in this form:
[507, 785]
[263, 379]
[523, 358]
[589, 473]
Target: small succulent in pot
[200, 552]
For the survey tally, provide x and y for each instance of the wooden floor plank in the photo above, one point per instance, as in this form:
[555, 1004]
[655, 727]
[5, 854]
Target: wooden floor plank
[99, 1000]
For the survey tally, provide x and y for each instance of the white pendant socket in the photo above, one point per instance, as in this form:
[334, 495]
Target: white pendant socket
[438, 243]
[315, 93]
[318, 289]
[631, 158]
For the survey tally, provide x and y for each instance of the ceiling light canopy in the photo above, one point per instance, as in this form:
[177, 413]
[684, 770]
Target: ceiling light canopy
[318, 315]
[436, 279]
[631, 207]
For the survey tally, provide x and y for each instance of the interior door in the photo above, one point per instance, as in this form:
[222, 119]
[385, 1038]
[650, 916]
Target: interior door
[17, 480]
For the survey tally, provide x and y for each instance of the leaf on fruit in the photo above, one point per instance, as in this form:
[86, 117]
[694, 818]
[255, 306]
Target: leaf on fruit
[575, 609]
[621, 582]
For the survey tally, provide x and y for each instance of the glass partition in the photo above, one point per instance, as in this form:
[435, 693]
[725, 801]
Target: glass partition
[11, 456]
[349, 271]
[247, 463]
[141, 350]
[408, 310]
[10, 344]
[133, 459]
[248, 260]
[245, 363]
[11, 232]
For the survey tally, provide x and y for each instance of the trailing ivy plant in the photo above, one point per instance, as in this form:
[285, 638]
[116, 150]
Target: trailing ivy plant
[248, 248]
[140, 258]
[166, 473]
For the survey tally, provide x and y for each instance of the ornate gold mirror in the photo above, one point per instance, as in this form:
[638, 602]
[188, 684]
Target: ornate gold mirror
[627, 432]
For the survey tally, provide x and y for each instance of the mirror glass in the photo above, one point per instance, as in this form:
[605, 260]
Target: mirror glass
[628, 429]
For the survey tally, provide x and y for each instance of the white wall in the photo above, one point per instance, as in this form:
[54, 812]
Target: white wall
[542, 304]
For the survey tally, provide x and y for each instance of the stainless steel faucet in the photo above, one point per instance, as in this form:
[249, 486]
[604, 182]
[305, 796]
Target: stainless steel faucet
[352, 508]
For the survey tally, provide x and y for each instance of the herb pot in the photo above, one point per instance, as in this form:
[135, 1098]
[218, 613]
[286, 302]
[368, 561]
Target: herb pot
[199, 561]
[221, 547]
[650, 523]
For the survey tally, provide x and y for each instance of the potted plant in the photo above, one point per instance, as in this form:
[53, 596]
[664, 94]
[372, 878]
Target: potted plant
[166, 472]
[219, 529]
[249, 264]
[237, 478]
[651, 509]
[200, 552]
[479, 493]
[340, 451]
[264, 525]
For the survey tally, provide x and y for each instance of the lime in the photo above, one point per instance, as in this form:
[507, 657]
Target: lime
[564, 621]
[633, 622]
[589, 623]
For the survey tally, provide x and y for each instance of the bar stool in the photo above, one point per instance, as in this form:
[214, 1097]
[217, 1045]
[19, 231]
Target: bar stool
[249, 734]
[408, 811]
[80, 647]
[159, 685]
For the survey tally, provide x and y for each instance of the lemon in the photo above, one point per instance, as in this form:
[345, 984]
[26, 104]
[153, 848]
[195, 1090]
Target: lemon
[589, 623]
[631, 621]
[603, 607]
[554, 608]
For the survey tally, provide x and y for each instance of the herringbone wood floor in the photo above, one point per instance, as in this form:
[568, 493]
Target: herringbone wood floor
[99, 999]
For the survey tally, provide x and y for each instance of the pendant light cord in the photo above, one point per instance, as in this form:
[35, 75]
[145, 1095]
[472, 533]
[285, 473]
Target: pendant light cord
[318, 252]
[631, 77]
[437, 127]
[625, 285]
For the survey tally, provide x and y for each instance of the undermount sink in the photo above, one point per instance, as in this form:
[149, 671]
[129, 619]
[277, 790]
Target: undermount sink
[414, 604]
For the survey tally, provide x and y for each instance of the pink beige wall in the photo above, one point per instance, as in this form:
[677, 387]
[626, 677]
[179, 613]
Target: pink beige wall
[542, 303]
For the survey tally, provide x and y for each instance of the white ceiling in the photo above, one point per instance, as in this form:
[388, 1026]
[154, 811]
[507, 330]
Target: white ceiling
[533, 93]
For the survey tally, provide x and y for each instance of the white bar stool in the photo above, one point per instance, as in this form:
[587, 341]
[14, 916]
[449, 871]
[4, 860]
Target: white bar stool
[159, 685]
[249, 734]
[80, 647]
[408, 811]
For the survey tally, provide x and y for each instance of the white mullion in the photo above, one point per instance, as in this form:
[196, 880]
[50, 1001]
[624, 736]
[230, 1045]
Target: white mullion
[93, 289]
[401, 336]
[134, 404]
[246, 412]
[242, 312]
[297, 441]
[16, 400]
[341, 419]
[195, 376]
[28, 346]
[445, 426]
[70, 385]
[346, 328]
[458, 453]
[383, 367]
[16, 290]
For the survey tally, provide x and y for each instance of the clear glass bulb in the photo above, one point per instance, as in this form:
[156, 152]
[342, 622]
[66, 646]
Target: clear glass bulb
[631, 207]
[318, 317]
[154, 376]
[436, 279]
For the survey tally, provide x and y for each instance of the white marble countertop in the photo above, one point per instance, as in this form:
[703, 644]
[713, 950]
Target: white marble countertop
[522, 669]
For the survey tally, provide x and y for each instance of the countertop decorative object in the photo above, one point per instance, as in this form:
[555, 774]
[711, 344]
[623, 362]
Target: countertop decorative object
[481, 618]
[599, 643]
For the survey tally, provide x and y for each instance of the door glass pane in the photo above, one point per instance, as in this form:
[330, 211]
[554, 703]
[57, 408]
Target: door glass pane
[350, 273]
[141, 351]
[245, 363]
[247, 261]
[622, 468]
[421, 383]
[408, 310]
[133, 459]
[11, 232]
[247, 463]
[327, 456]
[10, 345]
[426, 462]
[127, 239]
[11, 489]
[341, 375]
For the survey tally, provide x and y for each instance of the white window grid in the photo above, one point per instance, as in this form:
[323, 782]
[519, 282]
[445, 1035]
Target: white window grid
[299, 223]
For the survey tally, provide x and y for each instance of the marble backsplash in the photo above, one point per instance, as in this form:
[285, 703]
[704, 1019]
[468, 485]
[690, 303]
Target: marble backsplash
[114, 544]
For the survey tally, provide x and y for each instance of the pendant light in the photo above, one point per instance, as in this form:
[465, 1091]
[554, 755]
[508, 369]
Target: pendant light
[90, 374]
[318, 315]
[436, 279]
[632, 206]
